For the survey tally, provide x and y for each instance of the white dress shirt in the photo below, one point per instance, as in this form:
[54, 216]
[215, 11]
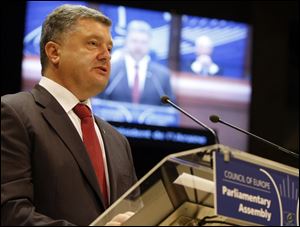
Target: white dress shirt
[68, 101]
[131, 70]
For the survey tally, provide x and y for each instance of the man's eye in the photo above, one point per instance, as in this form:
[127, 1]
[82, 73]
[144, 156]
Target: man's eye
[92, 43]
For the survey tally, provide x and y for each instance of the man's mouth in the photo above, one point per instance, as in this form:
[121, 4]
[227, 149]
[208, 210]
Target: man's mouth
[101, 69]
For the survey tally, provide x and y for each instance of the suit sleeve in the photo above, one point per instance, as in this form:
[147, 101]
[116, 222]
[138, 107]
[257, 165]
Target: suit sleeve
[17, 200]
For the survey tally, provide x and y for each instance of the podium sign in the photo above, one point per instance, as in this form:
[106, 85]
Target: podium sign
[256, 190]
[186, 189]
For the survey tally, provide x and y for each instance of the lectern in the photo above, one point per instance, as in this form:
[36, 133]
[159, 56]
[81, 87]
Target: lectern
[213, 185]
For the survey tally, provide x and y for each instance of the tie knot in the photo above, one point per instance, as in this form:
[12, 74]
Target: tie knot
[82, 111]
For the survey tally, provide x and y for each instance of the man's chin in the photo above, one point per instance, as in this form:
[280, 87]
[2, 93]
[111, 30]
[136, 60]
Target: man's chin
[99, 89]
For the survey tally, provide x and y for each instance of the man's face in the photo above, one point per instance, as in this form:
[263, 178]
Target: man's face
[138, 44]
[84, 64]
[204, 49]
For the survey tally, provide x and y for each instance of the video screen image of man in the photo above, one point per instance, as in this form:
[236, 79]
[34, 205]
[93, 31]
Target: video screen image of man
[136, 77]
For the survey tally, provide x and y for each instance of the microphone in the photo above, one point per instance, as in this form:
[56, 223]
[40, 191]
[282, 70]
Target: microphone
[216, 119]
[166, 100]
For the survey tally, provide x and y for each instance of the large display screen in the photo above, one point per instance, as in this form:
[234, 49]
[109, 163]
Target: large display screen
[202, 64]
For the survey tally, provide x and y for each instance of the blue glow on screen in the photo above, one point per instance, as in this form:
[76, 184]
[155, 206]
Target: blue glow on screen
[231, 53]
[167, 136]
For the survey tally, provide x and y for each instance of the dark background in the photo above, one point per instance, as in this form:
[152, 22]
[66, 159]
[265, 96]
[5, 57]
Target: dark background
[275, 70]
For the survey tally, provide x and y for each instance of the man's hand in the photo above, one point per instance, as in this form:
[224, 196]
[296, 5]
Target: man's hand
[120, 219]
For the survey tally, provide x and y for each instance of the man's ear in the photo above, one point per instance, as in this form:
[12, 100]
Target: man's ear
[52, 50]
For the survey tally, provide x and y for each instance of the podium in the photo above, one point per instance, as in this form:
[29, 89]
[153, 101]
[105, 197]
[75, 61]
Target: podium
[190, 188]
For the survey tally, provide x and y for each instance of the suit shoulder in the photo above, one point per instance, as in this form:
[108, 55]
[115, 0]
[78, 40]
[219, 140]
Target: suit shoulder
[117, 65]
[159, 69]
[17, 100]
[18, 106]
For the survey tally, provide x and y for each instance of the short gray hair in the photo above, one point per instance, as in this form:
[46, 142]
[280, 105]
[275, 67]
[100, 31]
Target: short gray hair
[139, 26]
[62, 20]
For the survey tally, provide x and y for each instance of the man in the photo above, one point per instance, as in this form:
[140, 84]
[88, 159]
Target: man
[135, 77]
[203, 64]
[59, 167]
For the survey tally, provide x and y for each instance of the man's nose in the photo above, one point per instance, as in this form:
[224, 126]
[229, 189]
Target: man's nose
[104, 55]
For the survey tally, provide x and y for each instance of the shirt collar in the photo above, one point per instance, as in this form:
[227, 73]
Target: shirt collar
[131, 61]
[63, 96]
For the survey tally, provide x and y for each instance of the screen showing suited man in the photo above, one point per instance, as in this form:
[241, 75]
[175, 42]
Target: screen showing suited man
[136, 77]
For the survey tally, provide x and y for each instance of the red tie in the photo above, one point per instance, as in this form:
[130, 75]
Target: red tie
[92, 145]
[135, 88]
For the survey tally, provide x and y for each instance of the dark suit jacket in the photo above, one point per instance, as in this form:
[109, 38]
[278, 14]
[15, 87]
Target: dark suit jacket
[46, 175]
[157, 84]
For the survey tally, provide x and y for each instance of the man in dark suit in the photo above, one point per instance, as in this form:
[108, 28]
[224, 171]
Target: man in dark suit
[135, 77]
[48, 176]
[203, 64]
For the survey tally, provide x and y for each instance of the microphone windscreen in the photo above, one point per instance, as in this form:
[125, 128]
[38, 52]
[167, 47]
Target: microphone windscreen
[214, 118]
[164, 99]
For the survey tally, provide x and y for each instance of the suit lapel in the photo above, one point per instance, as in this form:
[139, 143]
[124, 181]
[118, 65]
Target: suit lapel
[112, 157]
[123, 86]
[109, 157]
[151, 87]
[147, 86]
[118, 84]
[61, 123]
